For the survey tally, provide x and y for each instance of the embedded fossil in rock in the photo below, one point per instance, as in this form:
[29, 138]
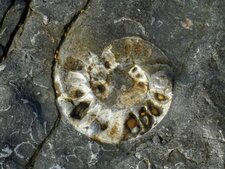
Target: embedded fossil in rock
[119, 95]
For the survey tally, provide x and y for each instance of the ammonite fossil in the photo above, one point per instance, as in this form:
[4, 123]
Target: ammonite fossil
[119, 95]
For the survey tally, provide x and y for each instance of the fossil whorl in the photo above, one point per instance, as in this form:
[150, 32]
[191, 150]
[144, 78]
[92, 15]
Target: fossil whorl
[119, 95]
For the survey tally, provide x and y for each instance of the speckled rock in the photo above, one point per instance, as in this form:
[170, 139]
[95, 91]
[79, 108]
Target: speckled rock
[192, 134]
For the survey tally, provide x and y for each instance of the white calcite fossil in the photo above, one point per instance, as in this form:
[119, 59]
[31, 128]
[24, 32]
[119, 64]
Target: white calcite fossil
[119, 95]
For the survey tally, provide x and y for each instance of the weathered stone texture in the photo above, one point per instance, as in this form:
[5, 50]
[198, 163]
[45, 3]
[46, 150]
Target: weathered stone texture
[191, 33]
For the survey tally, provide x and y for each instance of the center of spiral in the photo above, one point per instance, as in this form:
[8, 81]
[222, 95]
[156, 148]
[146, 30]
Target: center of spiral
[118, 85]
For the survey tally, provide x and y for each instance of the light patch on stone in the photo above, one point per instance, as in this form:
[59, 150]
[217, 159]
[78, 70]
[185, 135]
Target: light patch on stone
[2, 67]
[187, 23]
[119, 95]
[140, 26]
[57, 167]
[17, 149]
[94, 150]
[5, 152]
[33, 39]
[45, 19]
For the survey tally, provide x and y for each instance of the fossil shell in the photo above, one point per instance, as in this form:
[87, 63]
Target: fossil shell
[119, 95]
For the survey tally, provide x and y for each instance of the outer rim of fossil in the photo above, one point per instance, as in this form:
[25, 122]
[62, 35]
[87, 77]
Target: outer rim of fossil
[85, 93]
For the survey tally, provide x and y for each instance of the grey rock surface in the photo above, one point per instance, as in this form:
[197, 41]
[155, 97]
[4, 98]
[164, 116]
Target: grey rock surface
[192, 35]
[4, 6]
[27, 108]
[11, 20]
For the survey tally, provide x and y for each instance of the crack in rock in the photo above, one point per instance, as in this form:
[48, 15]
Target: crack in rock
[67, 27]
[4, 15]
[16, 28]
